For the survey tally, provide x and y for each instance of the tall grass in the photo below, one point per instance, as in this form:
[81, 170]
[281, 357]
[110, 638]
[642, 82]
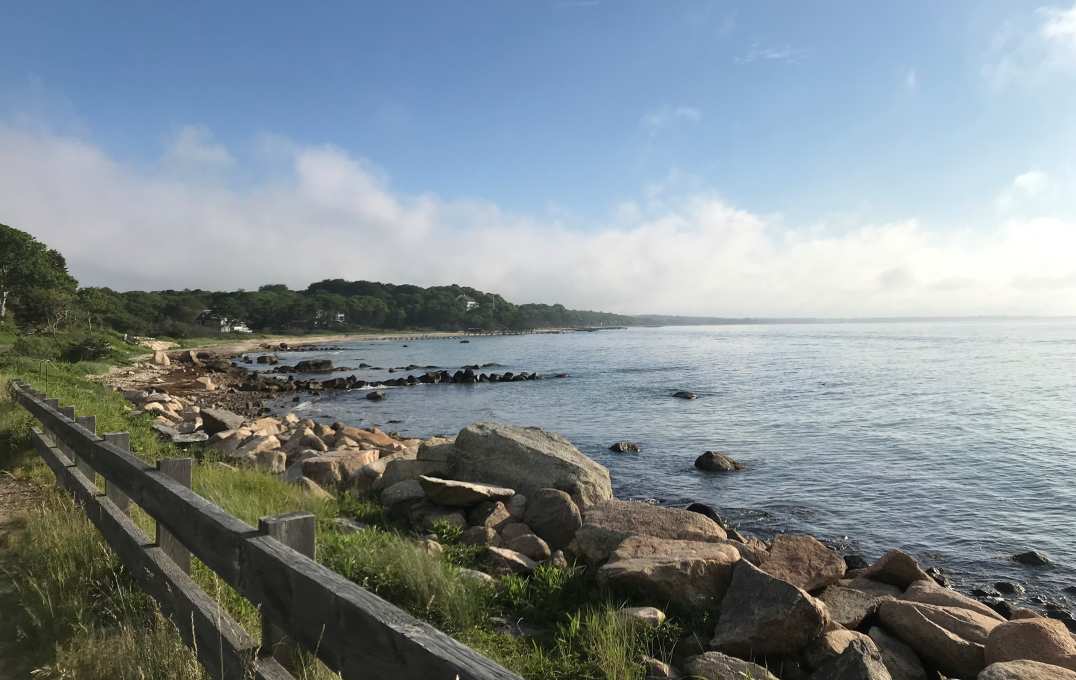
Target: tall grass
[80, 615]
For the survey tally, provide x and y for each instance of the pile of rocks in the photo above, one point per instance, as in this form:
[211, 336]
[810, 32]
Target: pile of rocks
[177, 419]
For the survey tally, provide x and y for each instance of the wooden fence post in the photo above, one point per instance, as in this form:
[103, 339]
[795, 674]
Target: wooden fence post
[298, 531]
[90, 423]
[121, 440]
[179, 469]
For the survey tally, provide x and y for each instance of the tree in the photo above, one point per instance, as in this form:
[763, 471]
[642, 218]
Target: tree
[34, 281]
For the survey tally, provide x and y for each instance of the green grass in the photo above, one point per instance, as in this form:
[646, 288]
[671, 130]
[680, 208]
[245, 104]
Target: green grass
[78, 614]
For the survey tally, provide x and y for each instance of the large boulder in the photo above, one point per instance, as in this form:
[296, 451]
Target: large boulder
[900, 659]
[762, 615]
[718, 666]
[461, 494]
[505, 561]
[1025, 670]
[553, 515]
[929, 592]
[895, 568]
[606, 525]
[860, 660]
[697, 580]
[831, 645]
[803, 561]
[715, 461]
[528, 459]
[848, 606]
[216, 420]
[1045, 640]
[947, 638]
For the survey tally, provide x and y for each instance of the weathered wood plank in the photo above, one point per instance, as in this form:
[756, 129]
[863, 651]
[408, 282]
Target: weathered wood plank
[90, 423]
[121, 440]
[181, 470]
[298, 531]
[223, 647]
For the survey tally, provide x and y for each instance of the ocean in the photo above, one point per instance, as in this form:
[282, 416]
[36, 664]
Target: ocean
[954, 441]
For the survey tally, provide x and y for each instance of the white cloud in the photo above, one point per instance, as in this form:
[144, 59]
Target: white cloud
[193, 147]
[330, 215]
[1059, 25]
[1026, 49]
[668, 116]
[785, 53]
[1025, 188]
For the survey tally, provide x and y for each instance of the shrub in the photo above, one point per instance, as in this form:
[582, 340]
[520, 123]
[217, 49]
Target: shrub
[87, 348]
[36, 347]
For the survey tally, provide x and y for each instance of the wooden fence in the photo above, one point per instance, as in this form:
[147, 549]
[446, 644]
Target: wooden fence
[302, 603]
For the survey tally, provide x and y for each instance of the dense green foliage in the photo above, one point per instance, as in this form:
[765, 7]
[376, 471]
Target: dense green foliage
[43, 297]
[34, 283]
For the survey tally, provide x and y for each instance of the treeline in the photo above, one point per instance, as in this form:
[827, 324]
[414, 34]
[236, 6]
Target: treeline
[43, 295]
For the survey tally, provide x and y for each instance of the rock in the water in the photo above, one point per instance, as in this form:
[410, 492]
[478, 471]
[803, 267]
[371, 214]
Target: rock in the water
[900, 659]
[1025, 670]
[895, 568]
[707, 511]
[553, 515]
[1045, 640]
[715, 461]
[718, 666]
[1032, 558]
[849, 607]
[216, 420]
[948, 638]
[509, 561]
[761, 615]
[531, 546]
[929, 592]
[528, 459]
[697, 580]
[624, 447]
[860, 660]
[606, 525]
[803, 561]
[376, 395]
[461, 494]
[684, 394]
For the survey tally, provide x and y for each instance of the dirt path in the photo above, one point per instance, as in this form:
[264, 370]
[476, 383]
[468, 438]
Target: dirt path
[14, 497]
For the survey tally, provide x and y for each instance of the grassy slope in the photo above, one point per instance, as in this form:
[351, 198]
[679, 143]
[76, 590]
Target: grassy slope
[78, 614]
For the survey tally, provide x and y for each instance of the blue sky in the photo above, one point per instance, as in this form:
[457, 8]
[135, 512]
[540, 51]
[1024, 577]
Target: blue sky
[576, 119]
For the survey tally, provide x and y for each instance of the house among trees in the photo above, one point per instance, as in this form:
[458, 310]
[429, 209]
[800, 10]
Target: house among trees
[223, 324]
[468, 303]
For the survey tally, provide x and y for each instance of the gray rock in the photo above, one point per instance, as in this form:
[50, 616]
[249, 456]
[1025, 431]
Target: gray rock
[691, 581]
[517, 506]
[531, 546]
[478, 577]
[859, 661]
[528, 459]
[831, 645]
[480, 536]
[511, 530]
[218, 420]
[509, 561]
[401, 492]
[1032, 558]
[553, 515]
[1025, 670]
[900, 659]
[761, 615]
[947, 638]
[606, 525]
[929, 592]
[715, 461]
[456, 494]
[803, 561]
[895, 568]
[489, 514]
[848, 606]
[718, 666]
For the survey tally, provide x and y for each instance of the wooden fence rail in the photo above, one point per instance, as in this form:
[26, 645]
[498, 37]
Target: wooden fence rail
[352, 630]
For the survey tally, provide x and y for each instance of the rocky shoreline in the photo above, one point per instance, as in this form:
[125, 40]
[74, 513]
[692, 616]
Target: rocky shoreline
[789, 608]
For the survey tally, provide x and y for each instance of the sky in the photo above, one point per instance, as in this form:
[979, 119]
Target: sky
[680, 157]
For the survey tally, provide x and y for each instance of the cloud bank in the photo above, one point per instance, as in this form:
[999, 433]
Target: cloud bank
[325, 213]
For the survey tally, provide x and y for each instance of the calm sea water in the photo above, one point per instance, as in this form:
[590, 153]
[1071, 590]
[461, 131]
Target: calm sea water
[955, 441]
